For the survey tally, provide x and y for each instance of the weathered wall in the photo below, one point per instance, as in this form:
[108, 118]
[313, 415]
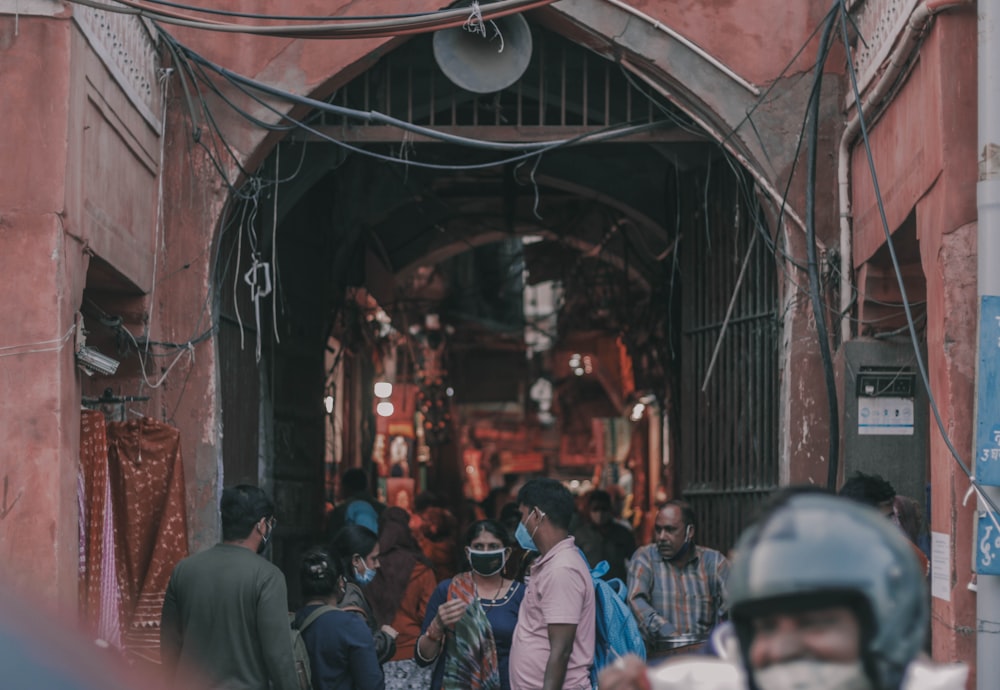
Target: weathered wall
[38, 390]
[86, 177]
[83, 187]
[924, 148]
[318, 67]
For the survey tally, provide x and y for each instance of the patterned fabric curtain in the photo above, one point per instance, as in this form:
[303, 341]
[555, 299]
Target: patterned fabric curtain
[147, 493]
[100, 604]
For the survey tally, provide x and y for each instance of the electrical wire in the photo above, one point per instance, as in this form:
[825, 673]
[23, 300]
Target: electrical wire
[608, 133]
[911, 326]
[289, 18]
[55, 344]
[819, 312]
[245, 83]
[378, 28]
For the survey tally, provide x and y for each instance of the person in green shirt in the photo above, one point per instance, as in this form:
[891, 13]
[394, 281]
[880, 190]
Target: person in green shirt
[225, 614]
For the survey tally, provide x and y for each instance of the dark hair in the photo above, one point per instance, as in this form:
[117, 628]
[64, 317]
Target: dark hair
[687, 512]
[491, 526]
[510, 515]
[869, 489]
[599, 496]
[350, 540]
[425, 500]
[320, 573]
[242, 507]
[353, 481]
[550, 497]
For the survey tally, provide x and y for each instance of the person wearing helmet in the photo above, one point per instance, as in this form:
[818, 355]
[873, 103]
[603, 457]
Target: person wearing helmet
[824, 594]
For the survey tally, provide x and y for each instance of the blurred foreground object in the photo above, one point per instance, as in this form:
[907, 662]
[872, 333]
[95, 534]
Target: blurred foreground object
[827, 593]
[39, 650]
[680, 673]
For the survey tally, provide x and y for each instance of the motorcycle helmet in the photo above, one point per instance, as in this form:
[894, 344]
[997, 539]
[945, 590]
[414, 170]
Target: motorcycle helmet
[815, 550]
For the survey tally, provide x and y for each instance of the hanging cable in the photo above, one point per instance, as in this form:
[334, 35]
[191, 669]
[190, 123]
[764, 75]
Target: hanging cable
[378, 28]
[274, 244]
[372, 116]
[819, 312]
[286, 18]
[911, 325]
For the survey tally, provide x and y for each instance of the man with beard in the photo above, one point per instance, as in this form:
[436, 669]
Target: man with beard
[676, 589]
[225, 613]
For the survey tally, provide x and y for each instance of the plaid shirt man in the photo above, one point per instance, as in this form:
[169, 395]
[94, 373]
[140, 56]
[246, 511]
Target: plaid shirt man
[677, 606]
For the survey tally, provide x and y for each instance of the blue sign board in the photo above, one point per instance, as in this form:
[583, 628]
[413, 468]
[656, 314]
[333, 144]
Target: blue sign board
[988, 394]
[987, 547]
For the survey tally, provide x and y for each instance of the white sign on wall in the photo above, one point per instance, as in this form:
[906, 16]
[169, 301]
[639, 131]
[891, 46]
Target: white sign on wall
[941, 565]
[885, 416]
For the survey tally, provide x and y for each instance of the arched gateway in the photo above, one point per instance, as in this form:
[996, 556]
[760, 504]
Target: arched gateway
[653, 229]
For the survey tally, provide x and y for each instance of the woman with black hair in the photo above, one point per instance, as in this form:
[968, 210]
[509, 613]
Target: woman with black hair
[341, 648]
[399, 595]
[358, 551]
[470, 619]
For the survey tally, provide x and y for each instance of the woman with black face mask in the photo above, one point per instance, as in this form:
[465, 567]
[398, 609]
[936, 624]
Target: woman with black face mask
[470, 618]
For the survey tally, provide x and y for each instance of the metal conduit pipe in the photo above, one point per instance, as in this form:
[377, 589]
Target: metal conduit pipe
[898, 59]
[690, 45]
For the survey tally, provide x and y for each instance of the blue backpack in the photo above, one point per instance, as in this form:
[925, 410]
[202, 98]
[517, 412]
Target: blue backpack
[617, 630]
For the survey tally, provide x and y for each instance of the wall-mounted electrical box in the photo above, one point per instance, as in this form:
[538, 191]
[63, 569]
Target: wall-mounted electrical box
[886, 415]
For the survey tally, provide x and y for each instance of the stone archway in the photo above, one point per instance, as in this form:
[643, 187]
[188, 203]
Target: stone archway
[688, 79]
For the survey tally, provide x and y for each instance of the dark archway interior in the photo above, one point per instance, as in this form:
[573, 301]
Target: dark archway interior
[594, 268]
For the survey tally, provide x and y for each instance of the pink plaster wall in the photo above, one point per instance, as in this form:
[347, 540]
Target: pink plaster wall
[36, 90]
[39, 394]
[950, 260]
[740, 33]
[196, 200]
[922, 137]
[113, 166]
[744, 34]
[925, 156]
[805, 415]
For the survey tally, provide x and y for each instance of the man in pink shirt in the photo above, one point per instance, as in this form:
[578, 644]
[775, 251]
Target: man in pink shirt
[553, 645]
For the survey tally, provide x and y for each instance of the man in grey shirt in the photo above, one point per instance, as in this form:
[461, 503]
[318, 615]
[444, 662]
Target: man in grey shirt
[224, 616]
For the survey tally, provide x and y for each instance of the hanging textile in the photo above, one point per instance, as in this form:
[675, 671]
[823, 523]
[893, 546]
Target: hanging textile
[147, 486]
[100, 605]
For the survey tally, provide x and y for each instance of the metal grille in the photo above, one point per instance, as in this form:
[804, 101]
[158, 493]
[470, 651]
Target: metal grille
[565, 89]
[728, 436]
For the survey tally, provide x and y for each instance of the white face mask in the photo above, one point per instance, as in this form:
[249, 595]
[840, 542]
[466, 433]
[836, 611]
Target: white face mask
[813, 675]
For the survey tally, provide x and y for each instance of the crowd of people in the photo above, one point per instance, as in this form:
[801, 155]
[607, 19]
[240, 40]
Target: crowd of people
[823, 593]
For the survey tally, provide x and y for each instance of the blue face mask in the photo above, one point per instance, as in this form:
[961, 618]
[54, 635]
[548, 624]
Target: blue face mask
[526, 540]
[368, 576]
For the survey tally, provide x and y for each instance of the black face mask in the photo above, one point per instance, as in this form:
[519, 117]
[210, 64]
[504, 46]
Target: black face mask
[488, 562]
[685, 547]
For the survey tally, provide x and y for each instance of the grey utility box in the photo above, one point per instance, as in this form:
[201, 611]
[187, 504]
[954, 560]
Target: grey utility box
[886, 415]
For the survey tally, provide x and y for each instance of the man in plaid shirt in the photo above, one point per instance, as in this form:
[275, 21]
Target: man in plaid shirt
[677, 589]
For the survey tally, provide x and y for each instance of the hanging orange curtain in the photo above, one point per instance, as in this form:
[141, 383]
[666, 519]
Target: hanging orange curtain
[147, 489]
